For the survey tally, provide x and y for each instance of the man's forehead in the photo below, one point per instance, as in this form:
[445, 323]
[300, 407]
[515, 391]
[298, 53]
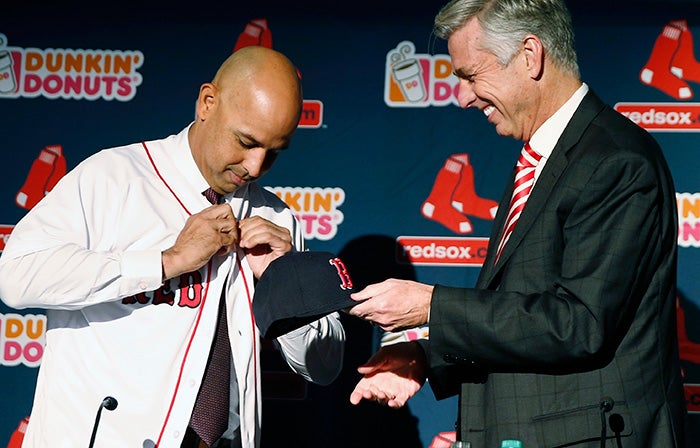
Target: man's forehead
[463, 46]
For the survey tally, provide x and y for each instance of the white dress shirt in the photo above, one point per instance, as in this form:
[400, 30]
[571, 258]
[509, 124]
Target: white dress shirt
[90, 254]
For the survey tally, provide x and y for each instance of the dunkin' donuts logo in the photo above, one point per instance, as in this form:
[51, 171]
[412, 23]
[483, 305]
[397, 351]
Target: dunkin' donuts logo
[22, 339]
[58, 73]
[688, 205]
[317, 209]
[418, 80]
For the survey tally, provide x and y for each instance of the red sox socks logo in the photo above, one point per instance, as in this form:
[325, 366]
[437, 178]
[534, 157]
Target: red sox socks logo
[453, 196]
[46, 170]
[256, 32]
[672, 62]
[689, 350]
[343, 274]
[18, 435]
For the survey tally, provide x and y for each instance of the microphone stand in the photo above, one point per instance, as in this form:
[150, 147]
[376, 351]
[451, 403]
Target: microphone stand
[109, 403]
[617, 424]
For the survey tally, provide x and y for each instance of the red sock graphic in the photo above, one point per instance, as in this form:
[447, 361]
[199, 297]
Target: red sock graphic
[438, 206]
[59, 167]
[255, 32]
[657, 71]
[689, 350]
[684, 65]
[465, 198]
[443, 440]
[41, 177]
[18, 436]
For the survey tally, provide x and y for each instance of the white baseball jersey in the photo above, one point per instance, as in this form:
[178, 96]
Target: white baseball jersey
[90, 254]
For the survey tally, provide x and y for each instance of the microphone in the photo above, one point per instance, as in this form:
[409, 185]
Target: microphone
[109, 403]
[617, 425]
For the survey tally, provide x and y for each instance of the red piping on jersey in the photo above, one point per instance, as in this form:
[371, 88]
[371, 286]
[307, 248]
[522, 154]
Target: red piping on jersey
[201, 307]
[162, 179]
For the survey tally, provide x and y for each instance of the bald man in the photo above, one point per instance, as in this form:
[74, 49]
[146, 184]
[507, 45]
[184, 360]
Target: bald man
[145, 258]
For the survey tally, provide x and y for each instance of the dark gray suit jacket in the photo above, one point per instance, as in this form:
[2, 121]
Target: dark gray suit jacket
[576, 321]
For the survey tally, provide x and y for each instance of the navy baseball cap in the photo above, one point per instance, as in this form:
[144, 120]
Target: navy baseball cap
[299, 288]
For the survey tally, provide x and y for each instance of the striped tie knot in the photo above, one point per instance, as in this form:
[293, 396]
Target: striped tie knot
[528, 157]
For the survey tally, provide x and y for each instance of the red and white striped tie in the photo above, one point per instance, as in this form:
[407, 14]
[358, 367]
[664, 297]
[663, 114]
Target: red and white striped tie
[524, 180]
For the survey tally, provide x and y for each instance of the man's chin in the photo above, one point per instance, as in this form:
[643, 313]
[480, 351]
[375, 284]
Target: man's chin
[500, 130]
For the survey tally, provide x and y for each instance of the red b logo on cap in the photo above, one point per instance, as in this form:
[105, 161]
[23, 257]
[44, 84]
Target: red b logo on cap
[345, 280]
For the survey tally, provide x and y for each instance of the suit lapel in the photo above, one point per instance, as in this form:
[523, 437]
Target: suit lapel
[590, 106]
[496, 231]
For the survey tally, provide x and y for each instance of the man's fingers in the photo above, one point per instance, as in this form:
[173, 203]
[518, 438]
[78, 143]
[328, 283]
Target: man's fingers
[366, 369]
[355, 396]
[370, 391]
[228, 226]
[217, 211]
[369, 291]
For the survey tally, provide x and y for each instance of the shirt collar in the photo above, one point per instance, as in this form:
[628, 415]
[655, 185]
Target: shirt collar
[546, 137]
[184, 160]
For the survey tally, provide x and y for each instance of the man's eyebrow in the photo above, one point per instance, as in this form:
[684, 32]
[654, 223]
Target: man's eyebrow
[461, 73]
[249, 139]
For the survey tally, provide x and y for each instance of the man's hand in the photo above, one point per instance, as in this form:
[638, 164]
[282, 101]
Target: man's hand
[393, 375]
[394, 304]
[262, 241]
[212, 231]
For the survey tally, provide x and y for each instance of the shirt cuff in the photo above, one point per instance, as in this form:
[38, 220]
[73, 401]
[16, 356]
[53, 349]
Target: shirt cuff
[141, 270]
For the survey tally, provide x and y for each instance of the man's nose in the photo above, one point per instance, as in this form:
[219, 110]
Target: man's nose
[255, 161]
[465, 94]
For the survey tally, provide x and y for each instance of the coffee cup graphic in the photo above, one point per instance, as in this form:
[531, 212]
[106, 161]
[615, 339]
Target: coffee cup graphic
[407, 74]
[7, 74]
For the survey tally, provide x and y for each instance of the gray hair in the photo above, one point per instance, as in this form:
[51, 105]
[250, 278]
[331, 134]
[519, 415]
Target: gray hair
[505, 24]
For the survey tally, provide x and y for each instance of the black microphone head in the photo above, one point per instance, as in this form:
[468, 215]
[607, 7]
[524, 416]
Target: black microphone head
[617, 423]
[110, 403]
[606, 404]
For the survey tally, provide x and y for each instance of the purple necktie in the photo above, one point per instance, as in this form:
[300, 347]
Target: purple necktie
[210, 415]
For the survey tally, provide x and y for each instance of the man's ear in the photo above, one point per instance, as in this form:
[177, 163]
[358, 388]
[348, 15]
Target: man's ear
[206, 100]
[534, 55]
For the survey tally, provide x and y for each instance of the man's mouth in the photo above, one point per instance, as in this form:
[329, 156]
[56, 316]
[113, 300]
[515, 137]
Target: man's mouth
[238, 180]
[488, 110]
